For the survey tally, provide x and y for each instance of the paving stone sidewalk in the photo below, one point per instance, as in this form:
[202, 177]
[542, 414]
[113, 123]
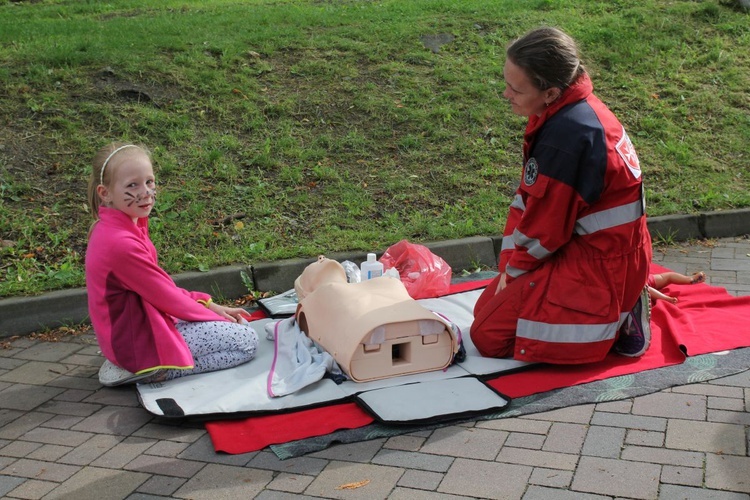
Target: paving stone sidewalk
[63, 435]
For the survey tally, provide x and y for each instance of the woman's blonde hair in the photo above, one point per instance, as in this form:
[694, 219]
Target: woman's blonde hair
[548, 56]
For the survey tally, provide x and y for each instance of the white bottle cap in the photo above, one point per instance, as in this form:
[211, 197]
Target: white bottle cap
[371, 257]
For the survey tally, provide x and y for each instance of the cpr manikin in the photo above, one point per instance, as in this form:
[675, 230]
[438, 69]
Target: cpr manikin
[373, 329]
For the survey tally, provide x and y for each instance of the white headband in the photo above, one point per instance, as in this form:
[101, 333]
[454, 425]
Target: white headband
[104, 165]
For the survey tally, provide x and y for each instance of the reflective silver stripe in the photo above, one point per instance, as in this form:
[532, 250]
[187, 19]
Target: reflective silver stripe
[623, 317]
[532, 245]
[514, 271]
[508, 243]
[574, 334]
[609, 218]
[518, 203]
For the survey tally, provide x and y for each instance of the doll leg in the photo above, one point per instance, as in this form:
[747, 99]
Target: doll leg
[656, 295]
[669, 278]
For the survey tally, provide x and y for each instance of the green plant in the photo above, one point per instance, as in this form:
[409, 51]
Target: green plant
[664, 240]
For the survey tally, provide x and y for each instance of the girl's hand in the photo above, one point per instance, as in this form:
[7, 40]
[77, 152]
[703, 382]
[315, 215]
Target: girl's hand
[233, 314]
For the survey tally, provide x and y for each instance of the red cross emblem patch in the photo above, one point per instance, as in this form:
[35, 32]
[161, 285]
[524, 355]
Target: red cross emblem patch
[627, 152]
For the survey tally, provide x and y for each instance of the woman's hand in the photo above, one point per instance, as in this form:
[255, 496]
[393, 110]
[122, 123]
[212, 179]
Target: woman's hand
[500, 283]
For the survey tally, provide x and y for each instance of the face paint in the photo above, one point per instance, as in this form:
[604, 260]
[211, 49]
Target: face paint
[130, 199]
[133, 187]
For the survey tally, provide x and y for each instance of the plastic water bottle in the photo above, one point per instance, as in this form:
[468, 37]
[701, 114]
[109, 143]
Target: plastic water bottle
[371, 268]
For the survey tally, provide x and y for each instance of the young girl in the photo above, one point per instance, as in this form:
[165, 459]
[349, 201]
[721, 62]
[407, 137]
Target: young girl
[147, 327]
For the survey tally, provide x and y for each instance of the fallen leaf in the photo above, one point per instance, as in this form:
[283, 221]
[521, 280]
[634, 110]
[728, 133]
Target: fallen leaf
[354, 486]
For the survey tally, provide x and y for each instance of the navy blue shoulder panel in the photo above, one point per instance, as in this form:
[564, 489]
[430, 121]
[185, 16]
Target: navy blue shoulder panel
[571, 148]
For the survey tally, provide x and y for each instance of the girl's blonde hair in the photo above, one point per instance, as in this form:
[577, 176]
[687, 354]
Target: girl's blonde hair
[104, 176]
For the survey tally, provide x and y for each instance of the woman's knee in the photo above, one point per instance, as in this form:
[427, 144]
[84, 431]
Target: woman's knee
[493, 344]
[487, 295]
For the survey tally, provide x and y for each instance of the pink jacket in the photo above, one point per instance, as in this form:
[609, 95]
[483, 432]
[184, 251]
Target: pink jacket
[133, 303]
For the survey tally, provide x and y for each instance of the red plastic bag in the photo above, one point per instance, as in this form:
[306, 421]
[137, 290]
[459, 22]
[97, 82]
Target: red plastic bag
[424, 274]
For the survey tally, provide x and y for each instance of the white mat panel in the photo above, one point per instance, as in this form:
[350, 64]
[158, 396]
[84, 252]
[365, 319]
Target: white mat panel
[432, 401]
[243, 389]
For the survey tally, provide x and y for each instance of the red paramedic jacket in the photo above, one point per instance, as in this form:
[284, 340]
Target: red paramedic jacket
[578, 223]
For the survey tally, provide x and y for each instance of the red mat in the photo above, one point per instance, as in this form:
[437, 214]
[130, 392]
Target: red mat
[706, 319]
[251, 434]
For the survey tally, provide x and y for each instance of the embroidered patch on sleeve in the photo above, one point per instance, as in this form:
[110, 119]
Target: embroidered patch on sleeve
[530, 172]
[627, 152]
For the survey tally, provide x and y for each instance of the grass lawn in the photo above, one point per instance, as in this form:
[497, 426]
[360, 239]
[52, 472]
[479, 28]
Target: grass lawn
[293, 128]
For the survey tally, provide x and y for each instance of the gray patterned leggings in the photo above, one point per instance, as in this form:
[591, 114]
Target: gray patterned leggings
[215, 345]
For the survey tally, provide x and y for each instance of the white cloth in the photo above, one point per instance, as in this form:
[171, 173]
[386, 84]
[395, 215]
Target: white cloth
[297, 360]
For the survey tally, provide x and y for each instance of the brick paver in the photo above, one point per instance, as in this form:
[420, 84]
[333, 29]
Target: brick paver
[605, 442]
[92, 483]
[62, 435]
[347, 480]
[475, 478]
[482, 444]
[711, 437]
[619, 478]
[725, 472]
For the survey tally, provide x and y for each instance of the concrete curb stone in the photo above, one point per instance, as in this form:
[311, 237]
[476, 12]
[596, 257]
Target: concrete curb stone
[23, 315]
[676, 228]
[726, 224]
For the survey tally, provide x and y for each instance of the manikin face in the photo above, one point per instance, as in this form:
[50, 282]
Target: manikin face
[525, 99]
[132, 188]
